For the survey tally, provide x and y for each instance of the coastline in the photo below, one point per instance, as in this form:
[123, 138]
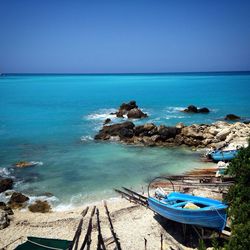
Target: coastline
[132, 223]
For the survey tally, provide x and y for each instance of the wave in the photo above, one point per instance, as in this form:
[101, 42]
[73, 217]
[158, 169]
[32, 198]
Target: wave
[85, 138]
[168, 117]
[5, 172]
[172, 110]
[36, 163]
[52, 200]
[101, 114]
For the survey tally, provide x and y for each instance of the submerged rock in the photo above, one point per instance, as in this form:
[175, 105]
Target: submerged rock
[231, 117]
[18, 200]
[5, 184]
[40, 207]
[108, 120]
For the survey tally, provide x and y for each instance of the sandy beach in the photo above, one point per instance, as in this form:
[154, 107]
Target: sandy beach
[133, 224]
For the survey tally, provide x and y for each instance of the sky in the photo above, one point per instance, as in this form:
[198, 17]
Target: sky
[124, 36]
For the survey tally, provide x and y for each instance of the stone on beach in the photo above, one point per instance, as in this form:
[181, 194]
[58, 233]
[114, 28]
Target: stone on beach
[6, 208]
[40, 207]
[17, 200]
[4, 220]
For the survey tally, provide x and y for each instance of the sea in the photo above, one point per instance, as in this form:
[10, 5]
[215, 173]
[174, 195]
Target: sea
[52, 119]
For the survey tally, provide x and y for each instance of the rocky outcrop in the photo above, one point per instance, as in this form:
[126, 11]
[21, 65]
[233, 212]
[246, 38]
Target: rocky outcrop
[122, 130]
[5, 184]
[17, 200]
[131, 110]
[217, 135]
[231, 117]
[194, 109]
[40, 207]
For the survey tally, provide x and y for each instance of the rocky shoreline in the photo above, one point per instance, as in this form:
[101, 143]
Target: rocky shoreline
[216, 135]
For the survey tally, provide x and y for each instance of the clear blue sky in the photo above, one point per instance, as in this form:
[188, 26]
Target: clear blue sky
[59, 36]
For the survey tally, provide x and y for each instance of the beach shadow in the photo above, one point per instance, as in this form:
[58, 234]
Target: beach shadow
[190, 238]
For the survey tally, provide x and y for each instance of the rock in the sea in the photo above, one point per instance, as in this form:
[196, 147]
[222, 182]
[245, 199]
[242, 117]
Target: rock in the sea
[136, 113]
[128, 106]
[131, 110]
[6, 208]
[40, 207]
[17, 200]
[191, 109]
[120, 129]
[231, 117]
[197, 135]
[5, 184]
[108, 120]
[4, 220]
[194, 109]
[203, 110]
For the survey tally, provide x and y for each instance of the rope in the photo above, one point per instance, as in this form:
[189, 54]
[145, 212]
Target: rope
[35, 243]
[215, 209]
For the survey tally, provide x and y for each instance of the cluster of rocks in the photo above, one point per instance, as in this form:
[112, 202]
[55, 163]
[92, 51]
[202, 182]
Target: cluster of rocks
[217, 135]
[17, 200]
[194, 109]
[131, 110]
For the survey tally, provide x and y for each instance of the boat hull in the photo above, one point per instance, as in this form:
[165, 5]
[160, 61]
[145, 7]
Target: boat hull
[224, 155]
[214, 217]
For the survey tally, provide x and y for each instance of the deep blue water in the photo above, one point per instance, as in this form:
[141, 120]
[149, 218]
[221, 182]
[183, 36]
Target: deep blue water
[53, 118]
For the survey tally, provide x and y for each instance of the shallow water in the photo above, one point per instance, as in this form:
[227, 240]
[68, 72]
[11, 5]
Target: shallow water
[53, 119]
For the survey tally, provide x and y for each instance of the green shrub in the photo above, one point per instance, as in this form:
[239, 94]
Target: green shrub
[238, 198]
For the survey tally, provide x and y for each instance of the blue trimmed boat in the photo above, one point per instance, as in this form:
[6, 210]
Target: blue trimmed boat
[189, 209]
[224, 155]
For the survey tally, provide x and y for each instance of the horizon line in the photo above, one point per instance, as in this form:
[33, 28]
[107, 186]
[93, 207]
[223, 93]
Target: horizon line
[128, 73]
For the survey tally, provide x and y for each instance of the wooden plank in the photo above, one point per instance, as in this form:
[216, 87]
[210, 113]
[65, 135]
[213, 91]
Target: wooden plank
[135, 193]
[100, 243]
[117, 243]
[87, 238]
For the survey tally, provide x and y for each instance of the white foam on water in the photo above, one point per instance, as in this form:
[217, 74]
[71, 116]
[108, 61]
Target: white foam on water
[85, 138]
[175, 117]
[37, 163]
[172, 110]
[5, 172]
[101, 114]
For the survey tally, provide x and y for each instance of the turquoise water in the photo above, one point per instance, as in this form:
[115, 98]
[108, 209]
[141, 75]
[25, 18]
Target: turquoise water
[53, 119]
